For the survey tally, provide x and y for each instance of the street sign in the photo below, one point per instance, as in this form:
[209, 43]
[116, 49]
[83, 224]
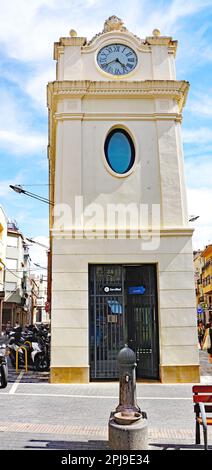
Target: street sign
[136, 290]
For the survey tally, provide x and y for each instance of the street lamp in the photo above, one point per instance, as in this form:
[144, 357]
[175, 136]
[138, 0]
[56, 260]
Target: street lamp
[192, 218]
[18, 189]
[37, 243]
[42, 267]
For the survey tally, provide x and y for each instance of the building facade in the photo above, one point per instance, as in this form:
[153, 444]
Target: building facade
[39, 296]
[203, 283]
[200, 302]
[17, 296]
[207, 280]
[122, 267]
[3, 244]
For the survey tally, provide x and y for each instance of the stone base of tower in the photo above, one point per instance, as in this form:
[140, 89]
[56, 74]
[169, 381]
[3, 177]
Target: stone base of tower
[180, 374]
[168, 374]
[66, 375]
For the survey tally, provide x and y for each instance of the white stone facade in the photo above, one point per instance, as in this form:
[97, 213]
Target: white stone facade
[85, 104]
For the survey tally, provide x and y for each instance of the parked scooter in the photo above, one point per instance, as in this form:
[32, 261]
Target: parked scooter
[37, 343]
[3, 366]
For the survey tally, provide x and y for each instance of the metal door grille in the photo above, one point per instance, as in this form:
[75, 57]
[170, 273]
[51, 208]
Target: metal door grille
[106, 320]
[117, 317]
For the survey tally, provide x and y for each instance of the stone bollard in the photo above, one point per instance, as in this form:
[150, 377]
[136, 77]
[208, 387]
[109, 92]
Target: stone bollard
[127, 424]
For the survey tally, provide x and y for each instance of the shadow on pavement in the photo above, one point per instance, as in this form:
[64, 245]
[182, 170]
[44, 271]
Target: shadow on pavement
[102, 445]
[179, 446]
[68, 445]
[32, 376]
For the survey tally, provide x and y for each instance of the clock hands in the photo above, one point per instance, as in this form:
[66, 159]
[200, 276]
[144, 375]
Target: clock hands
[116, 60]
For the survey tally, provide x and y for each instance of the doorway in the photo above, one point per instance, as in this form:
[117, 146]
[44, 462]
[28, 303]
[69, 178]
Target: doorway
[123, 310]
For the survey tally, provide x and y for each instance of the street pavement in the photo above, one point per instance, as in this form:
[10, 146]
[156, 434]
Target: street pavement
[38, 415]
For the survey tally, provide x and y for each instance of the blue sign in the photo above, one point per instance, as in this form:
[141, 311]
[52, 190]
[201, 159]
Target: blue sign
[199, 310]
[136, 290]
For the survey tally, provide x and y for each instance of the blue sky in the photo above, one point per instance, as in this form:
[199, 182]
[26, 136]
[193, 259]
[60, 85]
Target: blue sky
[28, 29]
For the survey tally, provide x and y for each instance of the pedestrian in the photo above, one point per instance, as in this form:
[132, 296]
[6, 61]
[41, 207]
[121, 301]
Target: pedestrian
[7, 328]
[201, 332]
[207, 341]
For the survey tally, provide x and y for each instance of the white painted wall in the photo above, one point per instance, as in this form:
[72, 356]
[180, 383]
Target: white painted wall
[82, 124]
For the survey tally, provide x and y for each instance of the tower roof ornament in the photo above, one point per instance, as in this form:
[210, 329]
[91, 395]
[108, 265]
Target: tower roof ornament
[113, 23]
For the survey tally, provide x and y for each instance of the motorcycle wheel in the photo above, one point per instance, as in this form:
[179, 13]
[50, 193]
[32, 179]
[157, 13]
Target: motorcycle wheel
[4, 374]
[41, 363]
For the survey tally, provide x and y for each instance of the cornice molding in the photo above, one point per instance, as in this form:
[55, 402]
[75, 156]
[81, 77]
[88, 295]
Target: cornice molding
[72, 41]
[163, 41]
[142, 45]
[63, 116]
[116, 36]
[78, 233]
[149, 89]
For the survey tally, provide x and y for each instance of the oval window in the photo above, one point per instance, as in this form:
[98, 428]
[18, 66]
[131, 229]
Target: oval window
[119, 151]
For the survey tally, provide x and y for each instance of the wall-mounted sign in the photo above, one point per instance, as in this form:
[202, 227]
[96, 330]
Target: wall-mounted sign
[136, 290]
[113, 289]
[199, 310]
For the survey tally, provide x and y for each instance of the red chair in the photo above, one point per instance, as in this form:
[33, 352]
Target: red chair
[202, 398]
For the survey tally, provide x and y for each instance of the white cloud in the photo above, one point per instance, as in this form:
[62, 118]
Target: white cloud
[198, 171]
[16, 129]
[198, 176]
[167, 17]
[201, 135]
[5, 189]
[22, 143]
[32, 27]
[36, 86]
[200, 203]
[201, 104]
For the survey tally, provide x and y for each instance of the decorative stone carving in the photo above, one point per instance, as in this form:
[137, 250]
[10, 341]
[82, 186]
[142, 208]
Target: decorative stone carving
[73, 33]
[113, 23]
[156, 32]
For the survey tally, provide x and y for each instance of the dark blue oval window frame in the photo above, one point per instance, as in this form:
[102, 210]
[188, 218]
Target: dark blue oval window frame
[132, 150]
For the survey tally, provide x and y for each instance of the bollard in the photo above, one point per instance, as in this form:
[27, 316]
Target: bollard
[127, 382]
[128, 428]
[25, 357]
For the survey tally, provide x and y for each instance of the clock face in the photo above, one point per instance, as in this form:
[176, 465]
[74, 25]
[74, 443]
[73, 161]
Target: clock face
[117, 59]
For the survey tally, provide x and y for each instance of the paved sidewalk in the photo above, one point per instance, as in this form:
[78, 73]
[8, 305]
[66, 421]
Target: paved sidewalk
[39, 415]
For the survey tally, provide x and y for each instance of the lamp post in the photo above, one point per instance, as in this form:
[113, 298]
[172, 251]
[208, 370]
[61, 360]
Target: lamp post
[37, 243]
[18, 189]
[192, 218]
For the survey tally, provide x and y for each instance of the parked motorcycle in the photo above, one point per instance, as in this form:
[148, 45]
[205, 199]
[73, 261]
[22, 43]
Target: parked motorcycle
[3, 366]
[36, 340]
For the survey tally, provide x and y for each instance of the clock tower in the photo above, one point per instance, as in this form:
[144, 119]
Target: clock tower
[121, 252]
